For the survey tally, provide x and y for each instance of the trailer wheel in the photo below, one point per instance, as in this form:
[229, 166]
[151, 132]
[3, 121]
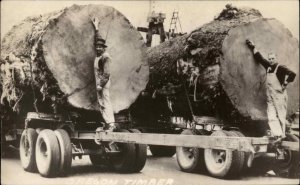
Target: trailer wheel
[124, 161]
[65, 151]
[162, 151]
[27, 149]
[4, 148]
[247, 154]
[141, 154]
[260, 166]
[97, 160]
[190, 159]
[222, 163]
[241, 155]
[47, 153]
[289, 167]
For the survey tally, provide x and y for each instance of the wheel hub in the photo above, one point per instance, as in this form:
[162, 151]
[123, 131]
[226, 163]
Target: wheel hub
[189, 152]
[287, 158]
[219, 156]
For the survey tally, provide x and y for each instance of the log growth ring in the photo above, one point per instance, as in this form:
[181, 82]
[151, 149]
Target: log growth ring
[243, 79]
[69, 54]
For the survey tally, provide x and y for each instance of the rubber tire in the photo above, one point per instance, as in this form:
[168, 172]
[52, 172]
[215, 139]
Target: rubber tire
[232, 165]
[162, 151]
[241, 155]
[28, 162]
[247, 154]
[141, 154]
[4, 149]
[260, 166]
[291, 169]
[65, 151]
[97, 160]
[49, 165]
[124, 162]
[198, 164]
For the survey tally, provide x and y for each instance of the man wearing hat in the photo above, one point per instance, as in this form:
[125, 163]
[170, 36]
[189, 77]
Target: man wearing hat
[102, 76]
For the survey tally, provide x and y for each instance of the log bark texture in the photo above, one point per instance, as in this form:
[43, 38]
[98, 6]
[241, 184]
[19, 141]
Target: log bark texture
[231, 84]
[60, 48]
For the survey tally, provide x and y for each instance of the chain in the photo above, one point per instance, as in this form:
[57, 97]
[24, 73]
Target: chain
[32, 88]
[186, 91]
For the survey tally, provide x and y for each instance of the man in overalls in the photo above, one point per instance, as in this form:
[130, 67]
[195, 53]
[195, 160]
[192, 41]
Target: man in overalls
[278, 77]
[102, 72]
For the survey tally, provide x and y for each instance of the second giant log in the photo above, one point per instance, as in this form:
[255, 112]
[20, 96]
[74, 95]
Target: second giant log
[231, 84]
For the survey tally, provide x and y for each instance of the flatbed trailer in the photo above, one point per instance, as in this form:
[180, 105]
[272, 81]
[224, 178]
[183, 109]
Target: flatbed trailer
[49, 142]
[245, 144]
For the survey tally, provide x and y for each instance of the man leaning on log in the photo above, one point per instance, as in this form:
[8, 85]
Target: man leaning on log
[102, 77]
[278, 77]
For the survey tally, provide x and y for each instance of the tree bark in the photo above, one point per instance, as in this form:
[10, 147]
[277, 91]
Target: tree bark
[231, 84]
[60, 49]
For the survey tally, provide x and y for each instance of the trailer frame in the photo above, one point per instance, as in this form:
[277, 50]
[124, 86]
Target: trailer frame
[96, 141]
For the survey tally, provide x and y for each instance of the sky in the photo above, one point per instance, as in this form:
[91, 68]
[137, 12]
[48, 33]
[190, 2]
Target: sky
[192, 14]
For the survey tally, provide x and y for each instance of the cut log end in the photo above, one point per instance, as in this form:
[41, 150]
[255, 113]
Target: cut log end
[243, 78]
[60, 46]
[236, 91]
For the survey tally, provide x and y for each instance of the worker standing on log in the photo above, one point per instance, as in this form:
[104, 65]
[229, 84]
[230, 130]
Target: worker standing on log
[278, 77]
[102, 76]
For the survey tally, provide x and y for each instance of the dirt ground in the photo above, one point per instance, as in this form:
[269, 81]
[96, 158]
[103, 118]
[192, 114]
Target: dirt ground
[158, 171]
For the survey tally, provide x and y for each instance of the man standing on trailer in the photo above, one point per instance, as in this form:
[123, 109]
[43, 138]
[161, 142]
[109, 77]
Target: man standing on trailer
[278, 77]
[102, 75]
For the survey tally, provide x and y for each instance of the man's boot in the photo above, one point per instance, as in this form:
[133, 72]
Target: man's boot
[112, 147]
[111, 127]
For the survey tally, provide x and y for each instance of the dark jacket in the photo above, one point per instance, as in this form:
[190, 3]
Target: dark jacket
[282, 69]
[103, 69]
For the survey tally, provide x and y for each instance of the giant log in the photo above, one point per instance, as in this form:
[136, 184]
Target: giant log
[56, 52]
[230, 84]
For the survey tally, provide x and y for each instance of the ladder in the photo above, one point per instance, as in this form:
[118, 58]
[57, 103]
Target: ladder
[173, 24]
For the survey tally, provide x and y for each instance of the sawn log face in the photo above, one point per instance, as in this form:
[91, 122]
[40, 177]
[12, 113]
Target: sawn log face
[230, 84]
[59, 47]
